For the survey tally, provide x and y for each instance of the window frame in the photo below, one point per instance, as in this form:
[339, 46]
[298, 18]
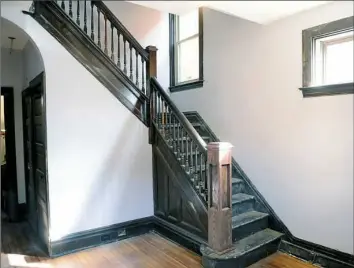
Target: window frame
[309, 37]
[196, 83]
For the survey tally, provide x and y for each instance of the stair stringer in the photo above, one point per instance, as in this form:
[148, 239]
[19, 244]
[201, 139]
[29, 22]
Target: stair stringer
[175, 199]
[82, 48]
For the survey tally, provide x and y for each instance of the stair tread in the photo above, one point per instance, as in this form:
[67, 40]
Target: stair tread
[240, 197]
[245, 245]
[247, 217]
[236, 180]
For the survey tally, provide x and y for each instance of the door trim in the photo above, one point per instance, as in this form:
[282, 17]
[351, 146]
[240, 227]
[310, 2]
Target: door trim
[34, 84]
[9, 118]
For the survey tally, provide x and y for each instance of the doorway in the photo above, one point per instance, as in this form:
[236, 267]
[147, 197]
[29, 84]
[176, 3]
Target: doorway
[34, 136]
[9, 200]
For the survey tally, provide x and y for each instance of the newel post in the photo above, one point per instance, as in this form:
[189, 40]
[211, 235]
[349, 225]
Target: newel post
[151, 71]
[220, 192]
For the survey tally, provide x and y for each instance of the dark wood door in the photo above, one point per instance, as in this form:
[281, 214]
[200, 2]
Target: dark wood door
[35, 156]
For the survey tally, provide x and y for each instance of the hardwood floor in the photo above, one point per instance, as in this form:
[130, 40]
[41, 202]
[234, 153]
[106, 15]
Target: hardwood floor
[146, 251]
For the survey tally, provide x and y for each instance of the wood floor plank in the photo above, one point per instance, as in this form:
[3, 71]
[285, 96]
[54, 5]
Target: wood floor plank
[147, 251]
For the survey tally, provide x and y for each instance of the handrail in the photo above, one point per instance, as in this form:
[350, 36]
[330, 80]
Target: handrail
[124, 31]
[179, 134]
[182, 118]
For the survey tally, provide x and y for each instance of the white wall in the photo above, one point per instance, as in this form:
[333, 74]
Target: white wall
[298, 152]
[149, 27]
[99, 160]
[12, 76]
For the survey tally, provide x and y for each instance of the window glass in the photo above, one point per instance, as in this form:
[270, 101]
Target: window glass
[187, 25]
[188, 60]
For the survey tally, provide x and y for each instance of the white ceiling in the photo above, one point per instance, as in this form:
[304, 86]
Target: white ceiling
[8, 29]
[262, 12]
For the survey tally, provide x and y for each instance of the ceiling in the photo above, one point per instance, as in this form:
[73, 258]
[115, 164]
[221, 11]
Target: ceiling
[262, 12]
[8, 29]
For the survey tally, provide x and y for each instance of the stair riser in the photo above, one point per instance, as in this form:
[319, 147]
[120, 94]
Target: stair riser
[244, 260]
[243, 207]
[250, 228]
[237, 188]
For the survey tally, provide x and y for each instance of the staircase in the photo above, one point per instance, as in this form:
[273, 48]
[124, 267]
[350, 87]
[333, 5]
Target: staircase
[99, 41]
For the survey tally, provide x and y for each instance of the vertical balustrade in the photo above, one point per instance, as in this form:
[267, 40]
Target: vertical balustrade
[112, 42]
[78, 13]
[118, 50]
[170, 126]
[195, 168]
[186, 161]
[136, 68]
[174, 133]
[200, 180]
[92, 24]
[71, 8]
[219, 201]
[62, 4]
[125, 55]
[142, 75]
[191, 159]
[85, 18]
[98, 28]
[105, 35]
[131, 61]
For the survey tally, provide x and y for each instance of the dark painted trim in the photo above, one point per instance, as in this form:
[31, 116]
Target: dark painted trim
[178, 235]
[39, 81]
[186, 86]
[9, 117]
[310, 35]
[327, 90]
[99, 236]
[108, 234]
[174, 86]
[316, 254]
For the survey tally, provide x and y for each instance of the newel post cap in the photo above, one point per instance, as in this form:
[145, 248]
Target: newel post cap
[151, 48]
[219, 146]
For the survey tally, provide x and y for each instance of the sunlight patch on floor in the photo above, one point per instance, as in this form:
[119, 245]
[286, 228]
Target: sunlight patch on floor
[16, 260]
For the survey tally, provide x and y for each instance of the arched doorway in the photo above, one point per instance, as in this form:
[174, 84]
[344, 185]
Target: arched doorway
[25, 211]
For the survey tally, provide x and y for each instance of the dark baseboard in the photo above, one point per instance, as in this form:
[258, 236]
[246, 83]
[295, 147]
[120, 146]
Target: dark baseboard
[317, 254]
[178, 235]
[100, 236]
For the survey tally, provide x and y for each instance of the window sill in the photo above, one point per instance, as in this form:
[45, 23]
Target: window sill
[327, 90]
[187, 86]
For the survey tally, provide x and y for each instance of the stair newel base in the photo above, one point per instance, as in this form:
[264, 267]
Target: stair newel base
[219, 201]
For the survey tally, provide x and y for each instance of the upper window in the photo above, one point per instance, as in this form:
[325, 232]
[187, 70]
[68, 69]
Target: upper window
[186, 50]
[328, 58]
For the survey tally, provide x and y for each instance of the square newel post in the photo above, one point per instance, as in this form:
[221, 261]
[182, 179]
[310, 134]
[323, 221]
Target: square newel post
[220, 192]
[151, 71]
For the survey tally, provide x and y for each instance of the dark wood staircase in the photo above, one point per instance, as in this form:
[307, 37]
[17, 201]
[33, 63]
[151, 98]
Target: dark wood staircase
[182, 169]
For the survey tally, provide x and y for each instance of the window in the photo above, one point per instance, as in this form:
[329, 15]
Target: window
[328, 59]
[186, 51]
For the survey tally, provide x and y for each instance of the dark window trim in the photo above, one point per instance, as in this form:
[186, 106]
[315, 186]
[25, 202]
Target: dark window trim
[174, 87]
[308, 37]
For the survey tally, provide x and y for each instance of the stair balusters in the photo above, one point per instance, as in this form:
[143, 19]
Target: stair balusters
[125, 55]
[71, 8]
[92, 24]
[85, 18]
[118, 50]
[78, 13]
[142, 75]
[105, 35]
[112, 42]
[63, 5]
[98, 28]
[131, 61]
[137, 68]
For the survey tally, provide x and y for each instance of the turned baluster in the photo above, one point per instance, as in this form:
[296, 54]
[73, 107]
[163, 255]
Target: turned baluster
[170, 126]
[178, 141]
[118, 50]
[70, 8]
[201, 184]
[125, 55]
[191, 157]
[131, 61]
[112, 43]
[137, 68]
[174, 144]
[78, 13]
[187, 153]
[105, 35]
[85, 18]
[99, 28]
[142, 76]
[92, 24]
[62, 4]
[195, 169]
